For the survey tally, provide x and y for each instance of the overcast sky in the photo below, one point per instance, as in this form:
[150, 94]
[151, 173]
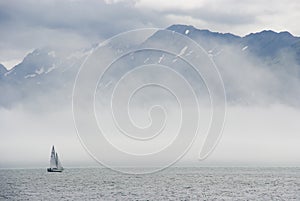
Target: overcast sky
[29, 24]
[252, 135]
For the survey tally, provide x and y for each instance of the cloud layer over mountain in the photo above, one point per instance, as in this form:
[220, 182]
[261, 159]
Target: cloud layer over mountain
[260, 73]
[28, 25]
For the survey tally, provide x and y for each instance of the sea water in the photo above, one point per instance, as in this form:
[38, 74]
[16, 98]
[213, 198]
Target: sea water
[170, 184]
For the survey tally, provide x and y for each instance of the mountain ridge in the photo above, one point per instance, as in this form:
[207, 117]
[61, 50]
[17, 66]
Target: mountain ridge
[277, 55]
[266, 43]
[180, 28]
[236, 35]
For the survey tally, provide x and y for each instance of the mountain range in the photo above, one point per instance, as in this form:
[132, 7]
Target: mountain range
[257, 68]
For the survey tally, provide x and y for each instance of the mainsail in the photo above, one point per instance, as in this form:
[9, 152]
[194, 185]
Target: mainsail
[53, 163]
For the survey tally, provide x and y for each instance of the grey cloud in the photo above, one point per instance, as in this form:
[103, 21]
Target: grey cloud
[79, 16]
[215, 16]
[69, 24]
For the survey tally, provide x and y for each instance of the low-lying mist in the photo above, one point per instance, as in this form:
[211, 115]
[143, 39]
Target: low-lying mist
[261, 125]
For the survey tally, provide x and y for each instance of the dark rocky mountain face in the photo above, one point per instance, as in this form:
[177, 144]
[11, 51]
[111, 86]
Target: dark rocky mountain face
[2, 69]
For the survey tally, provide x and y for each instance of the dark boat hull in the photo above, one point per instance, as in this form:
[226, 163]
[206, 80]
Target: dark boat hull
[54, 170]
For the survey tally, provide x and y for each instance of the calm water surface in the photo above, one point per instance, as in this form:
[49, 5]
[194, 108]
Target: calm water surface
[171, 184]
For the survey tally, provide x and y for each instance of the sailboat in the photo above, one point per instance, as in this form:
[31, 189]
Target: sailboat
[55, 165]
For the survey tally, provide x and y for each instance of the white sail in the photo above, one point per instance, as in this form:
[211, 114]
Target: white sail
[53, 163]
[58, 163]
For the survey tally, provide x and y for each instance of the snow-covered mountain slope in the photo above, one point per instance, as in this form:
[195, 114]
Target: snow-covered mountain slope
[256, 69]
[264, 44]
[43, 71]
